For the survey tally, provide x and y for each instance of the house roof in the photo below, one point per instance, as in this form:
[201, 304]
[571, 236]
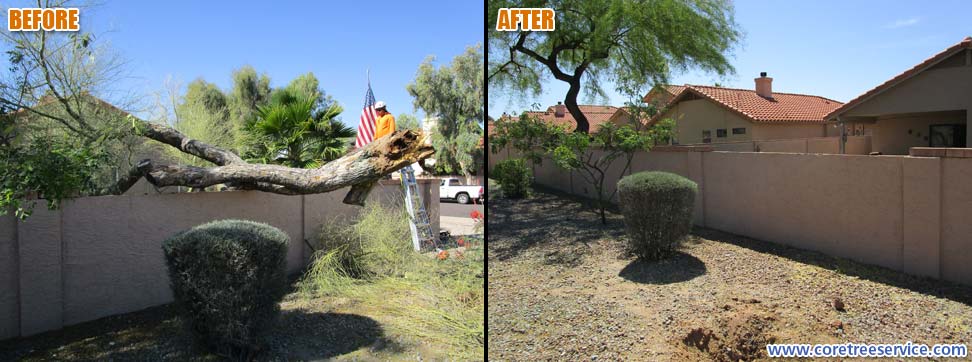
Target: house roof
[962, 45]
[49, 99]
[782, 108]
[596, 116]
[670, 90]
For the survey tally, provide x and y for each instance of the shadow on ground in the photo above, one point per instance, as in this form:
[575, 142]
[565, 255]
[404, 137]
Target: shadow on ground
[548, 218]
[157, 334]
[677, 268]
[314, 336]
[923, 285]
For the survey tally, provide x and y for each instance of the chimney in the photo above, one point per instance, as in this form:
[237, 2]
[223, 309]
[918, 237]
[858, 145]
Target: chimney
[764, 86]
[559, 110]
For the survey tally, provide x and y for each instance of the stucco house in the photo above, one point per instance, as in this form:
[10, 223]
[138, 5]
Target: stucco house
[707, 114]
[925, 106]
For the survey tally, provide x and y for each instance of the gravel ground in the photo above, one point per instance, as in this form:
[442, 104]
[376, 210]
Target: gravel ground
[309, 330]
[560, 289]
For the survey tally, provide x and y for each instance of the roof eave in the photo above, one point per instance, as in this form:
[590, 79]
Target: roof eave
[890, 83]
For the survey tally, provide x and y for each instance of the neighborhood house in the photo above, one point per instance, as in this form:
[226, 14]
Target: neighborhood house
[926, 106]
[706, 114]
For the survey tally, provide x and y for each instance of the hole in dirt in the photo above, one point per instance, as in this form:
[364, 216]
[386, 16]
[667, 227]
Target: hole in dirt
[743, 337]
[679, 267]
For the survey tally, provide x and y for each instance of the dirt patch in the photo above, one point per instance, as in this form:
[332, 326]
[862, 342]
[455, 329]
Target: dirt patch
[741, 334]
[560, 288]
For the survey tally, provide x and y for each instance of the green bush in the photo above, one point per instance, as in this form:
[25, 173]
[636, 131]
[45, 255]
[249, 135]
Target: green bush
[657, 208]
[228, 276]
[514, 176]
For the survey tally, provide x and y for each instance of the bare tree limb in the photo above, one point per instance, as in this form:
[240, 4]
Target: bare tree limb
[360, 169]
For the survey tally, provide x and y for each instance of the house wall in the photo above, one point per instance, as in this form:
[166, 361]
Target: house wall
[943, 88]
[891, 136]
[787, 131]
[694, 116]
[100, 256]
[900, 212]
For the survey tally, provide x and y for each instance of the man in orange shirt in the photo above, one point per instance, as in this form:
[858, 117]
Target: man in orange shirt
[385, 124]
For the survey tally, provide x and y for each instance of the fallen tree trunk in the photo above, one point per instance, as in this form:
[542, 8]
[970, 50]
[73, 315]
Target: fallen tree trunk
[359, 169]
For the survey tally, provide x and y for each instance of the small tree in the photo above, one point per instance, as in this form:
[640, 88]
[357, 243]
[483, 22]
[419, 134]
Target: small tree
[592, 155]
[529, 136]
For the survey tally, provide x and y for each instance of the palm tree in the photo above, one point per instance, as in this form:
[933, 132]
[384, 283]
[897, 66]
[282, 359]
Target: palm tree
[293, 131]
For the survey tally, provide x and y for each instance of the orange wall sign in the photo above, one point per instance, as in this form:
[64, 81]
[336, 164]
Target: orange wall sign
[533, 19]
[49, 19]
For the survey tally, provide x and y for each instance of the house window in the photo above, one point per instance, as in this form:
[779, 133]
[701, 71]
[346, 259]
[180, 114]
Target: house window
[946, 135]
[706, 136]
[721, 133]
[739, 130]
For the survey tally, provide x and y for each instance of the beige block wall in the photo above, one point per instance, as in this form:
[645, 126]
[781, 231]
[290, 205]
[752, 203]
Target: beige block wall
[9, 270]
[956, 230]
[100, 256]
[905, 213]
[789, 146]
[41, 293]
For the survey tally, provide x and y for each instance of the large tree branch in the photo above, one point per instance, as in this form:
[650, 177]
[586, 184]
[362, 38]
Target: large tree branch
[360, 169]
[171, 137]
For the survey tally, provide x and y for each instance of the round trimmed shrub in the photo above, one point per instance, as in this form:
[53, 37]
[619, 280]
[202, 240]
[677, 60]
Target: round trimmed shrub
[657, 208]
[514, 175]
[228, 276]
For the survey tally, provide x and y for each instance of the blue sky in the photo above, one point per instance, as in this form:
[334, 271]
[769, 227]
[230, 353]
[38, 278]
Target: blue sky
[835, 49]
[338, 41]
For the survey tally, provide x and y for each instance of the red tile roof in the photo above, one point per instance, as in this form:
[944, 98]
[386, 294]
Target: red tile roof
[596, 115]
[670, 91]
[962, 45]
[781, 108]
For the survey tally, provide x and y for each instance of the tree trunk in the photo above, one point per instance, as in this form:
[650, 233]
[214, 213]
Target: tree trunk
[359, 169]
[570, 101]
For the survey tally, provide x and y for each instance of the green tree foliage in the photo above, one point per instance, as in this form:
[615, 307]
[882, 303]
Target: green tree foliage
[203, 114]
[407, 121]
[630, 42]
[529, 136]
[514, 176]
[453, 95]
[46, 169]
[591, 155]
[290, 131]
[53, 95]
[250, 91]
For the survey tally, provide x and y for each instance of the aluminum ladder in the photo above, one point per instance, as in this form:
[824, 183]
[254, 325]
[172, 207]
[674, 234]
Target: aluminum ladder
[423, 239]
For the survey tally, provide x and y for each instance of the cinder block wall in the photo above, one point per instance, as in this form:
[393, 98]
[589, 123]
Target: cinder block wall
[910, 214]
[100, 256]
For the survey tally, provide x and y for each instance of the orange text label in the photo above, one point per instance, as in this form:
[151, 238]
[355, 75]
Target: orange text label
[34, 19]
[533, 19]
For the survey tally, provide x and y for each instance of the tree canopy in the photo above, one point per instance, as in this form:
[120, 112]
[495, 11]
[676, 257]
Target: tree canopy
[635, 44]
[65, 80]
[453, 96]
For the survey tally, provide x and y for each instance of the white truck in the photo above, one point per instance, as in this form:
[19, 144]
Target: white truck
[453, 189]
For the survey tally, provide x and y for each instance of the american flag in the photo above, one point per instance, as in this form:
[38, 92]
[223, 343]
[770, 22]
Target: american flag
[366, 129]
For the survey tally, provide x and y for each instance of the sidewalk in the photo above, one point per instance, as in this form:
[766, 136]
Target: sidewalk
[457, 225]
